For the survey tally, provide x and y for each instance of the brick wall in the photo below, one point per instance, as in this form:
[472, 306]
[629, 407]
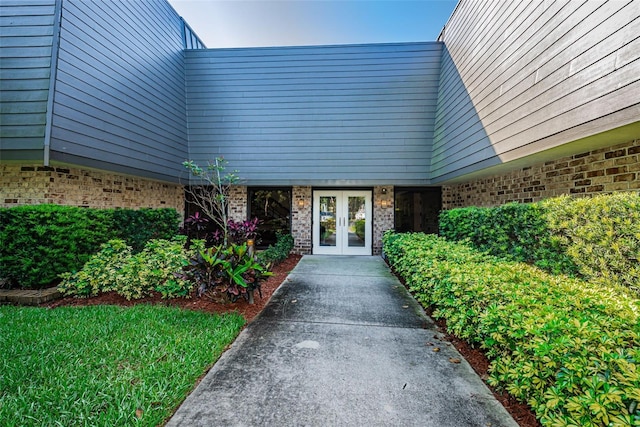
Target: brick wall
[301, 219]
[614, 168]
[32, 185]
[383, 215]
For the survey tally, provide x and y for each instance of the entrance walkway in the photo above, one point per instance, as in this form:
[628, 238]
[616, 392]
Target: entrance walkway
[341, 343]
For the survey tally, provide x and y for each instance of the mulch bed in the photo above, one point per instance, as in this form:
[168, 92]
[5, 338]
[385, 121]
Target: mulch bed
[519, 411]
[248, 311]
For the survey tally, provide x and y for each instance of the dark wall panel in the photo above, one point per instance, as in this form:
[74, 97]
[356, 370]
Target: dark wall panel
[355, 114]
[120, 93]
[26, 34]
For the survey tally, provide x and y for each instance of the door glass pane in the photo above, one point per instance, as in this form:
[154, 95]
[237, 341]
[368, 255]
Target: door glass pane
[328, 220]
[357, 221]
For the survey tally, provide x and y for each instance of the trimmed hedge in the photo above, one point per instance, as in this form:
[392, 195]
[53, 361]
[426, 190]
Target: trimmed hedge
[38, 243]
[568, 348]
[600, 234]
[597, 238]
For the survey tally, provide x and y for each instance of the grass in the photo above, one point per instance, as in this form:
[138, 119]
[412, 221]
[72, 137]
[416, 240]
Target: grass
[104, 365]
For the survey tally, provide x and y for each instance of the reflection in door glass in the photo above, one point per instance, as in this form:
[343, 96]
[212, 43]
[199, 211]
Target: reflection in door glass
[357, 221]
[328, 221]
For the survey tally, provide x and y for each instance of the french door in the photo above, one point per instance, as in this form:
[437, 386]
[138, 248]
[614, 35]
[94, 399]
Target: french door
[342, 222]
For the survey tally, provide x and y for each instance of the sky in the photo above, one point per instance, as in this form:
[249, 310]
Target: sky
[252, 23]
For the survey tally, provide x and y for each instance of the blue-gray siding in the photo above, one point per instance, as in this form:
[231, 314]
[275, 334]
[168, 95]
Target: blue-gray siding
[356, 114]
[519, 78]
[119, 100]
[26, 34]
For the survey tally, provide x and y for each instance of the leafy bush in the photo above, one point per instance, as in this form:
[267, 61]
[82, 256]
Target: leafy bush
[100, 273]
[277, 253]
[601, 234]
[241, 231]
[38, 243]
[115, 268]
[518, 232]
[597, 238]
[138, 226]
[567, 348]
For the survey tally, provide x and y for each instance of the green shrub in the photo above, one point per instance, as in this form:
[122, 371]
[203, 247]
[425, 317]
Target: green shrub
[139, 226]
[597, 238]
[601, 234]
[100, 273]
[277, 253]
[567, 348]
[116, 268]
[518, 232]
[38, 243]
[226, 273]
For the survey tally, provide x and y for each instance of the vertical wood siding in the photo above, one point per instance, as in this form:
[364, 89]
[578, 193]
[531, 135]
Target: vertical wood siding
[26, 31]
[357, 114]
[522, 77]
[119, 100]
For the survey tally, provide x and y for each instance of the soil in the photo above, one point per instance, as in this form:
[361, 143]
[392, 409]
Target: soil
[522, 413]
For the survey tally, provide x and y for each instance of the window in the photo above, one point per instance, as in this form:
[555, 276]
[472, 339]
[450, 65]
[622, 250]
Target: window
[272, 206]
[417, 209]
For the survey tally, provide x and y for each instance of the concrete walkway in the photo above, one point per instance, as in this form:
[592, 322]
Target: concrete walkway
[341, 343]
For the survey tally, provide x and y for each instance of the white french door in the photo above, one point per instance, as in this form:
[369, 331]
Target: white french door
[342, 222]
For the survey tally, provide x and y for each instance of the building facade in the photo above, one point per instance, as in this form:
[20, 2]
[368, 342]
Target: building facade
[515, 101]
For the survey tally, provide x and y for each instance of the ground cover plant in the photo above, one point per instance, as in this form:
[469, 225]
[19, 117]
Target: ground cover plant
[104, 365]
[568, 348]
[134, 275]
[597, 238]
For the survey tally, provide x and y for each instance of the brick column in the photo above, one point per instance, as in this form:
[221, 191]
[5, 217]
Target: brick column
[238, 203]
[301, 219]
[383, 212]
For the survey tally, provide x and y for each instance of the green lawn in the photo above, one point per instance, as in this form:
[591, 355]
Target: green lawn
[104, 365]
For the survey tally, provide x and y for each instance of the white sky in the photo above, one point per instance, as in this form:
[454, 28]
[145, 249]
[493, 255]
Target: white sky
[244, 23]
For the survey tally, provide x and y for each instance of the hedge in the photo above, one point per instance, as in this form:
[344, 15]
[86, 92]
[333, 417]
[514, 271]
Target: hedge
[568, 348]
[37, 243]
[596, 238]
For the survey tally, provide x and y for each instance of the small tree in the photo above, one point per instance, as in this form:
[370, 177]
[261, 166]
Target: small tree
[212, 194]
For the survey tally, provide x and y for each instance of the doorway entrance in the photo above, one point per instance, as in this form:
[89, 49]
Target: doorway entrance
[342, 222]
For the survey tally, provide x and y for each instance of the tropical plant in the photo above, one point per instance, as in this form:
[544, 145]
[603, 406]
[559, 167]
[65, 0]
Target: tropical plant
[226, 272]
[241, 231]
